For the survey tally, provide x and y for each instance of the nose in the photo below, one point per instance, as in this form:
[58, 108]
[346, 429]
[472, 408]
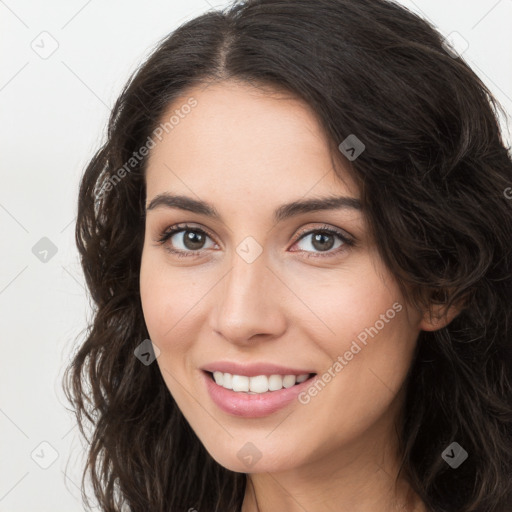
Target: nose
[249, 305]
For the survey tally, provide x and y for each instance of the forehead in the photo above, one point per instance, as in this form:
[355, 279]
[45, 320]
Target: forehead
[241, 141]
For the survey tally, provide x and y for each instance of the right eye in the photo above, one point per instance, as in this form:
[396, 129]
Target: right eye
[190, 238]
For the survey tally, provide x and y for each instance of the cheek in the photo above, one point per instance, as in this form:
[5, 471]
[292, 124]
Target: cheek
[345, 302]
[152, 295]
[167, 302]
[375, 332]
[368, 326]
[157, 293]
[170, 297]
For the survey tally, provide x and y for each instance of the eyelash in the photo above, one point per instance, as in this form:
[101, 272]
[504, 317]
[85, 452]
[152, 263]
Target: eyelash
[169, 232]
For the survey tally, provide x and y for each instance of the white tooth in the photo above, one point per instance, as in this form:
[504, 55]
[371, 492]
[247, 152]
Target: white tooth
[258, 384]
[240, 383]
[275, 383]
[289, 381]
[227, 381]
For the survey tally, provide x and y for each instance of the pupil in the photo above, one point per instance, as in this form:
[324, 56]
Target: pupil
[320, 237]
[192, 244]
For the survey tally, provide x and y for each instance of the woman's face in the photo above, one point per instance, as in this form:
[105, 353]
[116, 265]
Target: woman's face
[263, 291]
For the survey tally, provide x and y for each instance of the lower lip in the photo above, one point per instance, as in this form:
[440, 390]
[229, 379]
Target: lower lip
[252, 406]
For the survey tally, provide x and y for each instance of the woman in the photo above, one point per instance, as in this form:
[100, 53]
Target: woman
[299, 243]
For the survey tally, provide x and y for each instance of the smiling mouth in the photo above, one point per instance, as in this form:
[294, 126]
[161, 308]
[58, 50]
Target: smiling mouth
[259, 384]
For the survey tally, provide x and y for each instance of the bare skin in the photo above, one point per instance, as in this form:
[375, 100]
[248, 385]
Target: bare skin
[247, 153]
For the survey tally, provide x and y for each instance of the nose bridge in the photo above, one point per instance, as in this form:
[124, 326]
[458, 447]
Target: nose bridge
[246, 305]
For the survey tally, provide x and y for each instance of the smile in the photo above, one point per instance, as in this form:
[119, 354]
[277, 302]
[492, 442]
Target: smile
[259, 383]
[254, 396]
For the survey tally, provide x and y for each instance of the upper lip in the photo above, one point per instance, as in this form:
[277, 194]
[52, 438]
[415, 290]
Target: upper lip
[253, 369]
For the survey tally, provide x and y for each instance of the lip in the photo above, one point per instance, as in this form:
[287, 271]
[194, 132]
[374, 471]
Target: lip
[258, 405]
[253, 369]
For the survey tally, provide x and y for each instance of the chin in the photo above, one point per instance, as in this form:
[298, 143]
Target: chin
[247, 454]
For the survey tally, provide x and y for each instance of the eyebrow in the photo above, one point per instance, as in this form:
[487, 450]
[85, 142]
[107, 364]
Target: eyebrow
[283, 212]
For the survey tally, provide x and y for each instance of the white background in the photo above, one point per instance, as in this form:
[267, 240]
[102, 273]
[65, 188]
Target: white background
[53, 116]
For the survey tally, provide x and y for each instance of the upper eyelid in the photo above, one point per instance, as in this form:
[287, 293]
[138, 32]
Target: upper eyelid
[325, 227]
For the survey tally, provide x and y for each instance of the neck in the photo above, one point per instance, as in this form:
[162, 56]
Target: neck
[360, 476]
[365, 490]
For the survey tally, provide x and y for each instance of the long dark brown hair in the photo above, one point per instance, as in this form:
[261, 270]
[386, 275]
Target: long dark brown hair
[433, 178]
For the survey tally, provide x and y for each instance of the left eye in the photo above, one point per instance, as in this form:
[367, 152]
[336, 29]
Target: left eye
[323, 240]
[192, 241]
